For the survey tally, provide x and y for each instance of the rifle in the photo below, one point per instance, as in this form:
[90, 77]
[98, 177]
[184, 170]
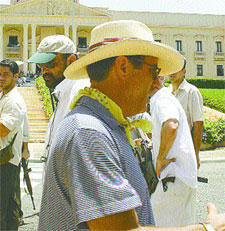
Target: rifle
[26, 178]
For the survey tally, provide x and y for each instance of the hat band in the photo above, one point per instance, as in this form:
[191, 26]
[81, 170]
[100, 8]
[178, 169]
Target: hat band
[105, 42]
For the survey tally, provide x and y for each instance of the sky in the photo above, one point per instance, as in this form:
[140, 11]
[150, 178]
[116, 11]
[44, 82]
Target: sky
[180, 6]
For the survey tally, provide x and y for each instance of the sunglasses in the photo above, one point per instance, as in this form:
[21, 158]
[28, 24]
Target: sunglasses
[154, 68]
[48, 65]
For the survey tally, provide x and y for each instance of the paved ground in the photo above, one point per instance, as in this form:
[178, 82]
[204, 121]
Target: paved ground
[212, 166]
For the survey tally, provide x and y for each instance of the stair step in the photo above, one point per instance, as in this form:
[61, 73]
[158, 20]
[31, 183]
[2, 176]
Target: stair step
[37, 140]
[37, 119]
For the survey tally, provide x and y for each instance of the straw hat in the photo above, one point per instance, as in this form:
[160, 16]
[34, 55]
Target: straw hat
[125, 37]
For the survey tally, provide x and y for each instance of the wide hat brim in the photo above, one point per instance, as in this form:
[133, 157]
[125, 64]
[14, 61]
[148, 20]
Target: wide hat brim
[169, 60]
[41, 58]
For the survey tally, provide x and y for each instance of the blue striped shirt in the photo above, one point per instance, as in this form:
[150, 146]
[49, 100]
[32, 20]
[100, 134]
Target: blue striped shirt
[92, 172]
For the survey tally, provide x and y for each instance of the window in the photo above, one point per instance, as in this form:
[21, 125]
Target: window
[199, 46]
[179, 45]
[158, 40]
[218, 46]
[199, 70]
[13, 41]
[82, 42]
[220, 70]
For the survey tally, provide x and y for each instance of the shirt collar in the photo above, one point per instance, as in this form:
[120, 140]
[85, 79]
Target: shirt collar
[12, 92]
[99, 110]
[182, 85]
[155, 96]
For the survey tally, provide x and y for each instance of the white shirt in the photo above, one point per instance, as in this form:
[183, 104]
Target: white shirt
[191, 100]
[26, 129]
[65, 92]
[164, 106]
[12, 116]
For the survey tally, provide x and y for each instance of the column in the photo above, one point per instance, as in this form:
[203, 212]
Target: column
[25, 47]
[1, 42]
[74, 35]
[66, 30]
[33, 48]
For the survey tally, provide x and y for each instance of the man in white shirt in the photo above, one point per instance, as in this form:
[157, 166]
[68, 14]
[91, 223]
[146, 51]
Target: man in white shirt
[53, 55]
[172, 202]
[192, 102]
[12, 116]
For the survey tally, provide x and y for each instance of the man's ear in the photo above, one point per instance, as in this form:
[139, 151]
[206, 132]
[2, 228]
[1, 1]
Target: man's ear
[122, 66]
[70, 59]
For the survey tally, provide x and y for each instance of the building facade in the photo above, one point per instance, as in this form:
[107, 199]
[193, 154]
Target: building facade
[24, 23]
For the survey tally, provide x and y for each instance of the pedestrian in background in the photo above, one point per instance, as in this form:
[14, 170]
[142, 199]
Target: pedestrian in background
[192, 102]
[54, 54]
[12, 116]
[173, 201]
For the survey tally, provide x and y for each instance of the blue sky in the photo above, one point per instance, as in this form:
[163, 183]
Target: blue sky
[181, 6]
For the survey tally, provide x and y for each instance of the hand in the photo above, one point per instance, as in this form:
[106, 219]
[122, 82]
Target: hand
[138, 142]
[198, 164]
[161, 164]
[215, 219]
[25, 154]
[198, 161]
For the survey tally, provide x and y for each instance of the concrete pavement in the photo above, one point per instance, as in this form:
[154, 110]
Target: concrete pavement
[212, 167]
[215, 154]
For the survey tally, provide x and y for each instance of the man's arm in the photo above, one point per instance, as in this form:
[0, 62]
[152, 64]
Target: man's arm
[4, 131]
[25, 153]
[129, 221]
[168, 135]
[197, 132]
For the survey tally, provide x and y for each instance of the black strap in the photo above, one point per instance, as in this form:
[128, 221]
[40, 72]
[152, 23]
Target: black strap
[172, 180]
[166, 180]
[13, 139]
[202, 179]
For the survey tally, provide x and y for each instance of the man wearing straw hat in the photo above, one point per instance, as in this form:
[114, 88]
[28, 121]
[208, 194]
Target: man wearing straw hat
[93, 181]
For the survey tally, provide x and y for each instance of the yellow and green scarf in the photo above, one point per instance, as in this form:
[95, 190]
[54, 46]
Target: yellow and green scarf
[115, 110]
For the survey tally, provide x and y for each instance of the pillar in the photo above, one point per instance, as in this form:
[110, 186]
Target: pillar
[1, 42]
[25, 47]
[33, 47]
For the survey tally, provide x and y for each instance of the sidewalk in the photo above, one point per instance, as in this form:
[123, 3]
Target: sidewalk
[217, 154]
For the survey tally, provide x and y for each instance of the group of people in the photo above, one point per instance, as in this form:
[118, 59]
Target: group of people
[92, 179]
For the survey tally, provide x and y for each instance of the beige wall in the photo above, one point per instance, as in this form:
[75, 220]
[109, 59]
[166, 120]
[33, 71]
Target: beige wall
[167, 27]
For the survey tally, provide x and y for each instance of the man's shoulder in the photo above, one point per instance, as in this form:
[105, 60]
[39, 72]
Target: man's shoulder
[84, 120]
[15, 98]
[190, 87]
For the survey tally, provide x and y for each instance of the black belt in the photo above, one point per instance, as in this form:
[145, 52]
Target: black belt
[172, 180]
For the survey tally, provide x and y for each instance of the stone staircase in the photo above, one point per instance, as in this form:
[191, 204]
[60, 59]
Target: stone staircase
[38, 121]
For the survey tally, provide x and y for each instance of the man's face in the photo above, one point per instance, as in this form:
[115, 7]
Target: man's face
[52, 71]
[141, 81]
[177, 77]
[7, 79]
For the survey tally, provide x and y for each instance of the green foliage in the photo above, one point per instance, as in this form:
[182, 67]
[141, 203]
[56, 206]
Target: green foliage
[214, 98]
[213, 131]
[45, 95]
[203, 83]
[207, 83]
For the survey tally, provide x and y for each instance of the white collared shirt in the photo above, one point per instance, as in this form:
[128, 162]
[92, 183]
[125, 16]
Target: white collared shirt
[12, 115]
[191, 100]
[65, 92]
[164, 106]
